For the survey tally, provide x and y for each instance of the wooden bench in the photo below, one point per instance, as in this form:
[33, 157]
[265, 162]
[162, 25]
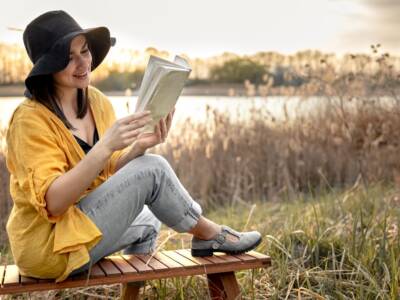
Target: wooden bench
[133, 268]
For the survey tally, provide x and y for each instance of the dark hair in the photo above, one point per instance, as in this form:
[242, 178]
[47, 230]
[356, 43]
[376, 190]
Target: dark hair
[43, 91]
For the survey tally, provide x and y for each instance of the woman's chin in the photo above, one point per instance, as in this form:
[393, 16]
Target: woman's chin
[82, 84]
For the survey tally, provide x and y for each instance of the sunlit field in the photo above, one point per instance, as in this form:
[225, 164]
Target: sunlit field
[321, 187]
[337, 245]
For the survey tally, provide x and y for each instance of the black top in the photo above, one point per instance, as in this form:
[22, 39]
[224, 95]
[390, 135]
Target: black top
[86, 147]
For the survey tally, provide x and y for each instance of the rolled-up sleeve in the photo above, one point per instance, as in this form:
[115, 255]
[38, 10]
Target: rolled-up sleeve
[35, 160]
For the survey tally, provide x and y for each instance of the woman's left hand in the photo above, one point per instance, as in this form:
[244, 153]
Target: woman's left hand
[147, 140]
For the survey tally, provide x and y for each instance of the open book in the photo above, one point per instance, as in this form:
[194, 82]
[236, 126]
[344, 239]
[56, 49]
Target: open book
[161, 86]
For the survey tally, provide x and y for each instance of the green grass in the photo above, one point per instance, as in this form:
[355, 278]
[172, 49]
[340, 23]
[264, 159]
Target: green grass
[340, 245]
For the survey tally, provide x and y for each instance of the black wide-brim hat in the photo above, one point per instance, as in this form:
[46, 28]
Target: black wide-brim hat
[47, 40]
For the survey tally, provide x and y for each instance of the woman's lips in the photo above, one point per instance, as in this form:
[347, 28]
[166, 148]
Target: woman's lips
[81, 76]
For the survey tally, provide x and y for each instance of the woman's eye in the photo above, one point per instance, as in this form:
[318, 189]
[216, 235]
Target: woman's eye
[85, 50]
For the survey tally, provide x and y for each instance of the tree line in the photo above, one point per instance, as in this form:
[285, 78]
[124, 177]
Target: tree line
[125, 68]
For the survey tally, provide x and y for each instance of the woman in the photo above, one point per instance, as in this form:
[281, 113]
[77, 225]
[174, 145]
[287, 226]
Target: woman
[81, 184]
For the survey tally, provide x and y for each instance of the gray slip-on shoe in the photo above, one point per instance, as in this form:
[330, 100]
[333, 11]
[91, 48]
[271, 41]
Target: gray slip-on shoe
[246, 242]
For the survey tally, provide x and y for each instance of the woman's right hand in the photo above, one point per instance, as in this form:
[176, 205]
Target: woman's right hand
[125, 131]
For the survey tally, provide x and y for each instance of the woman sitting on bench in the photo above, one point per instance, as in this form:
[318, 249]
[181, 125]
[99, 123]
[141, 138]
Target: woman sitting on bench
[82, 185]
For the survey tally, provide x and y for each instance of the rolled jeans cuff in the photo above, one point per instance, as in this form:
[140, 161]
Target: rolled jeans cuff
[190, 219]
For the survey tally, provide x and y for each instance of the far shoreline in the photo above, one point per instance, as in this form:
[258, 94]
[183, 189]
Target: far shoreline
[222, 89]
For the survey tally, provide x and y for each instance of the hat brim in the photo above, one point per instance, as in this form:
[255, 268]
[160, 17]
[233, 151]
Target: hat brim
[57, 58]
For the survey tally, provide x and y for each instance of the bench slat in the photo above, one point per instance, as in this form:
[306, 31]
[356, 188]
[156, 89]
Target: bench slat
[180, 259]
[137, 263]
[245, 257]
[152, 262]
[122, 264]
[214, 259]
[199, 260]
[227, 257]
[96, 271]
[170, 263]
[109, 268]
[258, 255]
[11, 277]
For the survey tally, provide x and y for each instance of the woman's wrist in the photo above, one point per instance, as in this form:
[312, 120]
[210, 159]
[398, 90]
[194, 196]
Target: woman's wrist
[133, 152]
[136, 151]
[103, 151]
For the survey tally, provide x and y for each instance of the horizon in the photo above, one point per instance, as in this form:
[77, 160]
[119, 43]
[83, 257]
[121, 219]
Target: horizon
[339, 55]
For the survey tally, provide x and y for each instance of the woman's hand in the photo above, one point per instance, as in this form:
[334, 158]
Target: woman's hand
[147, 140]
[125, 131]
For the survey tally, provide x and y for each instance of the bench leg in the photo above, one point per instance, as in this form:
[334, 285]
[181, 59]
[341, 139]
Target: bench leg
[130, 290]
[223, 286]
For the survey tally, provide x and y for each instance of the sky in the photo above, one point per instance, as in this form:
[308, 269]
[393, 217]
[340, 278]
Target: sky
[211, 27]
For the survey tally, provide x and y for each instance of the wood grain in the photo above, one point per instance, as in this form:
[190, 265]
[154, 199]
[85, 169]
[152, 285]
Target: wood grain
[152, 262]
[122, 264]
[137, 263]
[109, 268]
[180, 259]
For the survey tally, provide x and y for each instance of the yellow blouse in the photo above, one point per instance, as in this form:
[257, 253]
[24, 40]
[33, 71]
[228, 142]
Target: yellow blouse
[41, 148]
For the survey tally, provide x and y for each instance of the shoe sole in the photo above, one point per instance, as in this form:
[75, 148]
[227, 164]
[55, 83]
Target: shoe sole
[210, 252]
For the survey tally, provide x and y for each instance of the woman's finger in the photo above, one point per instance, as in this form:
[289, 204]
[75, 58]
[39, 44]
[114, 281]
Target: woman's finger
[169, 119]
[132, 134]
[163, 128]
[137, 124]
[172, 114]
[135, 116]
[157, 132]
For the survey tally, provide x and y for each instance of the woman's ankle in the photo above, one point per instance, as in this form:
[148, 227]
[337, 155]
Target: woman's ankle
[210, 232]
[205, 229]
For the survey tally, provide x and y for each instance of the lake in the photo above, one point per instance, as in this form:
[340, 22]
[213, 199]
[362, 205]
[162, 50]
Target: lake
[194, 107]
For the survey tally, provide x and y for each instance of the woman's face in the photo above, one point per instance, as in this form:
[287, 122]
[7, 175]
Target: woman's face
[77, 73]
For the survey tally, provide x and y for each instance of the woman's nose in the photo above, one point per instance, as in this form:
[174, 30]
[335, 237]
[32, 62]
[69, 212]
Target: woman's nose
[83, 61]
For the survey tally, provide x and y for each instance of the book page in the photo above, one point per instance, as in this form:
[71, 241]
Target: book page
[149, 89]
[161, 86]
[152, 76]
[148, 77]
[182, 62]
[165, 96]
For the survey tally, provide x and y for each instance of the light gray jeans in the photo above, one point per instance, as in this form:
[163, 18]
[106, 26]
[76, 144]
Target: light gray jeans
[129, 207]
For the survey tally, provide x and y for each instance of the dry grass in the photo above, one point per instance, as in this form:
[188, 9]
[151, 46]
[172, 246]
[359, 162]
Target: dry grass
[222, 161]
[343, 245]
[353, 133]
[325, 244]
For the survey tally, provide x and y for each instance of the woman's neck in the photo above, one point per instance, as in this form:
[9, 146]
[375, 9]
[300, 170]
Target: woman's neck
[68, 100]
